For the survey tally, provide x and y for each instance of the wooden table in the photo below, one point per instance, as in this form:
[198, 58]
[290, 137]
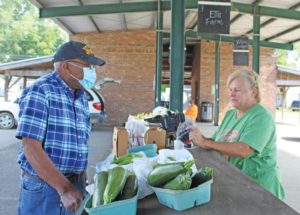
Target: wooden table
[233, 193]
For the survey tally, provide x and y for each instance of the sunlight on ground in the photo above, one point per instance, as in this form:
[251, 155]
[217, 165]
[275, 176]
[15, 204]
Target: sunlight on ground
[292, 148]
[288, 131]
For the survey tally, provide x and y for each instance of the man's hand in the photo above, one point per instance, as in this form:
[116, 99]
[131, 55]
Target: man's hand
[71, 199]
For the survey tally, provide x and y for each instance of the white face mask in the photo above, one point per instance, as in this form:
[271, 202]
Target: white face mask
[89, 76]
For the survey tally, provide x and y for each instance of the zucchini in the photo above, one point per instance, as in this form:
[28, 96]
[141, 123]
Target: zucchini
[100, 182]
[204, 174]
[166, 164]
[181, 182]
[126, 159]
[116, 180]
[163, 173]
[130, 188]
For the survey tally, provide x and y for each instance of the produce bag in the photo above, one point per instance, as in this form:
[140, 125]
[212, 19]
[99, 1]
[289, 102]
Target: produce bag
[136, 129]
[142, 167]
[183, 130]
[175, 155]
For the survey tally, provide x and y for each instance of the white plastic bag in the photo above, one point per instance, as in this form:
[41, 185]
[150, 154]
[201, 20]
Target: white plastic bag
[142, 167]
[105, 164]
[175, 155]
[136, 130]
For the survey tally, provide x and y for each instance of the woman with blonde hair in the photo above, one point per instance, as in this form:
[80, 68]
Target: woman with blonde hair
[247, 134]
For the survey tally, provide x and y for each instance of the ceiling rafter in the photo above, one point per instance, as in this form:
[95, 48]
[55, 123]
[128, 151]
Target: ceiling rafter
[58, 21]
[255, 3]
[129, 7]
[294, 7]
[294, 41]
[91, 18]
[230, 39]
[283, 32]
[123, 18]
[146, 6]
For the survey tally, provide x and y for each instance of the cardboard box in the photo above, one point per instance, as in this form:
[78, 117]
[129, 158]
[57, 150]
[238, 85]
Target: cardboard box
[157, 136]
[120, 141]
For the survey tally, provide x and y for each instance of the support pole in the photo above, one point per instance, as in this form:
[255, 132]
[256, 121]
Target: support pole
[255, 43]
[177, 55]
[159, 52]
[217, 80]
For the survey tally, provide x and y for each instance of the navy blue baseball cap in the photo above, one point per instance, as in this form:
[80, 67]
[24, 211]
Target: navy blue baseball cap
[73, 49]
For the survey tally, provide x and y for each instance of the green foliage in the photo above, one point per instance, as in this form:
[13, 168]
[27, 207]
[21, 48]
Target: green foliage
[281, 57]
[23, 34]
[164, 86]
[289, 58]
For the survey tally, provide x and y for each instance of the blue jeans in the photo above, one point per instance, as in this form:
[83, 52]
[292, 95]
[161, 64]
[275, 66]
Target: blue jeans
[39, 198]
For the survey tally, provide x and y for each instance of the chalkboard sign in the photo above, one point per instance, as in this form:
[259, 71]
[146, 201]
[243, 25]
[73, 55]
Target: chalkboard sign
[241, 51]
[214, 17]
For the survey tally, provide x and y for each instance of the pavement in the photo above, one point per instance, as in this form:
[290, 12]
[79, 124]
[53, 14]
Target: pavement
[101, 146]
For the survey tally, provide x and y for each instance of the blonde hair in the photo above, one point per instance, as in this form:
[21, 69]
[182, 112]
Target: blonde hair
[251, 77]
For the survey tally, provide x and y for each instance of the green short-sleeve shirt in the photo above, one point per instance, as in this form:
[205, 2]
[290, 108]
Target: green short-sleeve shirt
[257, 129]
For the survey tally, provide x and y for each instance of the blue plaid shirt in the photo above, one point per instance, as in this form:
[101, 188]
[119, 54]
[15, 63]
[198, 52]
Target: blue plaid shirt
[52, 113]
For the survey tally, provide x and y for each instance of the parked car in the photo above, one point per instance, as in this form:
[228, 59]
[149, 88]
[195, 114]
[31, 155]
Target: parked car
[295, 105]
[9, 111]
[9, 114]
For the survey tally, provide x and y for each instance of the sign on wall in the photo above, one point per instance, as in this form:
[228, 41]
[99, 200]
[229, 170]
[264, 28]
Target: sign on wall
[241, 51]
[214, 16]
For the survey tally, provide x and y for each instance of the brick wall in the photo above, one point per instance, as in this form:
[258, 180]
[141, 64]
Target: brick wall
[207, 74]
[130, 57]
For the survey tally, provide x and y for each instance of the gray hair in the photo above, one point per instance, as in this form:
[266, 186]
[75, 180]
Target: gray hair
[56, 65]
[252, 79]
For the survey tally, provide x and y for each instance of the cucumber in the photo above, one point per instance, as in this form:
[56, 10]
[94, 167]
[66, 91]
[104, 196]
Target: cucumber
[116, 181]
[204, 174]
[100, 181]
[130, 188]
[181, 182]
[163, 173]
[166, 164]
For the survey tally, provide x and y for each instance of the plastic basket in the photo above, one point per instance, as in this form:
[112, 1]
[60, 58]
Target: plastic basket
[148, 149]
[183, 199]
[123, 207]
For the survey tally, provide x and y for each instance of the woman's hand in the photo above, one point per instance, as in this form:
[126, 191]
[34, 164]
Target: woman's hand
[198, 138]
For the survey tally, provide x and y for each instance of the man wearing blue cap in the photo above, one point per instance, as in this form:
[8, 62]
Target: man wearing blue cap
[54, 128]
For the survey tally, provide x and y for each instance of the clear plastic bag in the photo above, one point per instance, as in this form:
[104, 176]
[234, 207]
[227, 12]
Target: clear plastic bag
[183, 130]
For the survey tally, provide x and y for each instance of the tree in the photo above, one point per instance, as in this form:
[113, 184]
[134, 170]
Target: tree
[289, 58]
[23, 35]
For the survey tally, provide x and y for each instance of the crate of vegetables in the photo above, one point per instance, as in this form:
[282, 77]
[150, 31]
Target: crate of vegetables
[176, 188]
[115, 192]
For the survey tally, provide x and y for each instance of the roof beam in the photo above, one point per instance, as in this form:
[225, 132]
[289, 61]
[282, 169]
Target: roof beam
[230, 39]
[294, 7]
[255, 3]
[152, 6]
[123, 19]
[283, 32]
[90, 18]
[294, 41]
[56, 20]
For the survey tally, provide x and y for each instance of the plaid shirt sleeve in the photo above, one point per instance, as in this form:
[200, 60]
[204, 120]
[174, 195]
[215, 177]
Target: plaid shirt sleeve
[34, 111]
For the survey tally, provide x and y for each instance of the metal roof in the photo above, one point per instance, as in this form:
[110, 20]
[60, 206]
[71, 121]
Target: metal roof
[280, 20]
